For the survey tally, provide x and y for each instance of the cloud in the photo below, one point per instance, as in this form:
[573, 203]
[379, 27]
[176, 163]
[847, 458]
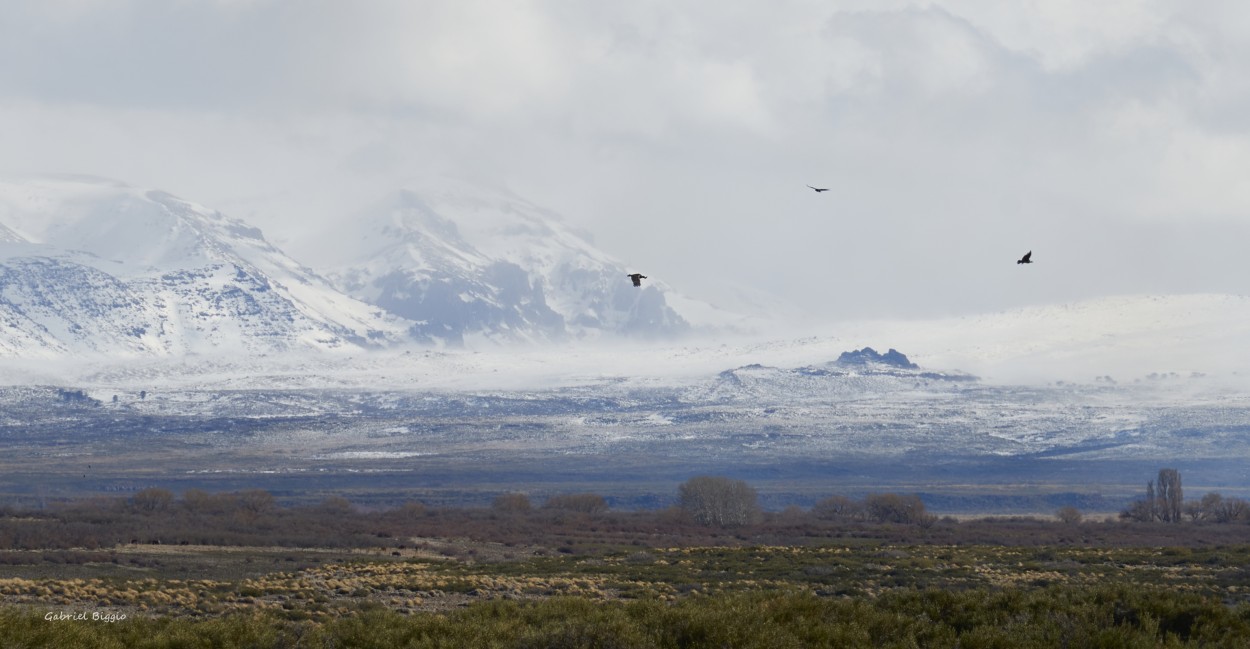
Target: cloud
[953, 133]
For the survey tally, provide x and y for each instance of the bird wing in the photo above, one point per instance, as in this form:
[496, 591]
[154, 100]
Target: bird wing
[1027, 255]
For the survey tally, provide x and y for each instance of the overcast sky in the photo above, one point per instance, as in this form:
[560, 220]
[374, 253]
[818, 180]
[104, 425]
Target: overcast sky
[1112, 138]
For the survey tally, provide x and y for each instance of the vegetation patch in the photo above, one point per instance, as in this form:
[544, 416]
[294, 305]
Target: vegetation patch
[572, 573]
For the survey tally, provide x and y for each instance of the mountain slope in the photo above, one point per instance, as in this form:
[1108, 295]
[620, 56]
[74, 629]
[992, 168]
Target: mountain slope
[96, 267]
[463, 261]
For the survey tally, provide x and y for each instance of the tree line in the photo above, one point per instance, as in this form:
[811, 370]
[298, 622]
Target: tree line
[718, 501]
[708, 510]
[1165, 502]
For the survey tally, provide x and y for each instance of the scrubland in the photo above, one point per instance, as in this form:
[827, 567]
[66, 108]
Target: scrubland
[238, 570]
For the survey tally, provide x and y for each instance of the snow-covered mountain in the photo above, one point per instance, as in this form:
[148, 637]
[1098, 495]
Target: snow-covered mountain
[464, 261]
[94, 267]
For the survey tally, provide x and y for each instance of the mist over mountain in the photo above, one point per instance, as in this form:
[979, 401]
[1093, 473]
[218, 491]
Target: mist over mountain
[91, 268]
[870, 356]
[96, 267]
[464, 262]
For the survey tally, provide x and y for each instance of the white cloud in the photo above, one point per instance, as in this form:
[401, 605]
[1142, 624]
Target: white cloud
[1063, 34]
[953, 132]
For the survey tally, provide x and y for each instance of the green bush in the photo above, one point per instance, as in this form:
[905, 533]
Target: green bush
[982, 618]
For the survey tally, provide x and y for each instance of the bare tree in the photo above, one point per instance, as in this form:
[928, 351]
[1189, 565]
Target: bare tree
[720, 501]
[1234, 509]
[335, 505]
[1169, 497]
[512, 503]
[1224, 510]
[585, 503]
[1069, 515]
[409, 511]
[152, 499]
[1139, 511]
[838, 508]
[197, 500]
[1208, 505]
[1164, 500]
[255, 501]
[893, 508]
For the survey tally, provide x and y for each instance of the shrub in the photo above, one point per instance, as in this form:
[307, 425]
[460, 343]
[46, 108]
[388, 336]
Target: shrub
[585, 503]
[893, 508]
[719, 501]
[511, 503]
[838, 508]
[152, 500]
[1069, 515]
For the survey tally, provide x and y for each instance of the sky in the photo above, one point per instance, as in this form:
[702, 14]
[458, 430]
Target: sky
[1110, 138]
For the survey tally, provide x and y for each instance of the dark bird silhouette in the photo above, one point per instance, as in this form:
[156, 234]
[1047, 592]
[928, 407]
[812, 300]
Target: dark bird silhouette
[819, 189]
[1026, 258]
[637, 277]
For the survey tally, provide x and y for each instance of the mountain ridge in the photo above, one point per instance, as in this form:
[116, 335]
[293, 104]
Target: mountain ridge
[108, 269]
[95, 266]
[496, 267]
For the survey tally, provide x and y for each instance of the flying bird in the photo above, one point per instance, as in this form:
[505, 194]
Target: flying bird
[819, 189]
[1026, 258]
[637, 277]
